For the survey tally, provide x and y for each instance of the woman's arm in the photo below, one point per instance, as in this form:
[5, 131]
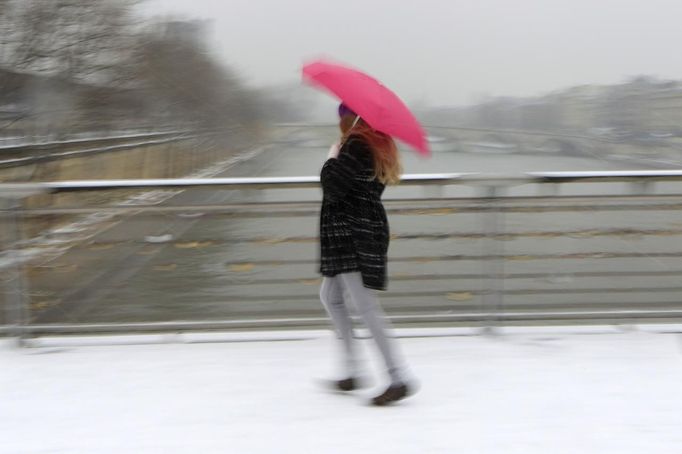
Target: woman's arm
[338, 174]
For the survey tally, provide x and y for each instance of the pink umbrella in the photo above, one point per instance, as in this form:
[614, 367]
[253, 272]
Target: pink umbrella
[370, 99]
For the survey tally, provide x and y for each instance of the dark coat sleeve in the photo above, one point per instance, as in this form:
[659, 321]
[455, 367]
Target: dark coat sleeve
[338, 174]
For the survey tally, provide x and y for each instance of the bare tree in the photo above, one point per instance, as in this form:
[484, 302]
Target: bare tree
[91, 61]
[85, 41]
[179, 73]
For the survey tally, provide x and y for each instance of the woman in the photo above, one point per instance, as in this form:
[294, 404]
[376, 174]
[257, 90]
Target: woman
[354, 240]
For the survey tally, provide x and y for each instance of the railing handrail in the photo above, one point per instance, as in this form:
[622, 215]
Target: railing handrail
[314, 181]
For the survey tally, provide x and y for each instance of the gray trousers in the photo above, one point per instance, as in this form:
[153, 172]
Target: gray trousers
[334, 294]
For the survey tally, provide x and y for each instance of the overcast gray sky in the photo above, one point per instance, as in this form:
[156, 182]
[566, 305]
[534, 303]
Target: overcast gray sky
[447, 51]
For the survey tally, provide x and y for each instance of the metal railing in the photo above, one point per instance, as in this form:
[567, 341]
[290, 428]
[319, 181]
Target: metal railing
[442, 291]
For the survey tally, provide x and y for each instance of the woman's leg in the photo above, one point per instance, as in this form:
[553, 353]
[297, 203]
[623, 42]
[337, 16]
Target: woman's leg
[367, 306]
[331, 295]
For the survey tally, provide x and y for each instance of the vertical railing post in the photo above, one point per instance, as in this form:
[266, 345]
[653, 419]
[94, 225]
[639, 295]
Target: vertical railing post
[16, 293]
[492, 297]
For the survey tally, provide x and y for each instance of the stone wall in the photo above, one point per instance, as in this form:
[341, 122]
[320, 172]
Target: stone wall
[169, 160]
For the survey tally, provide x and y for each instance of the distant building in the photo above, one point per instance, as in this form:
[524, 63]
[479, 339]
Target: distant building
[665, 110]
[644, 105]
[538, 114]
[579, 108]
[641, 106]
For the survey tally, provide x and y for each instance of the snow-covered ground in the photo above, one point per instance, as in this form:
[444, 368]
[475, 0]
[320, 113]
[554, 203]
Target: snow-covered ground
[548, 391]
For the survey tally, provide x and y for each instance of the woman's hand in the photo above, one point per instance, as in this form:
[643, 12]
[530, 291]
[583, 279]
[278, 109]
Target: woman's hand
[333, 151]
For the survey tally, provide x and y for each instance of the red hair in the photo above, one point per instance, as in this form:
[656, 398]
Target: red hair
[387, 167]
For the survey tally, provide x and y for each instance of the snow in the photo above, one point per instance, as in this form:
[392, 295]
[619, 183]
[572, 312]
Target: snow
[54, 242]
[544, 390]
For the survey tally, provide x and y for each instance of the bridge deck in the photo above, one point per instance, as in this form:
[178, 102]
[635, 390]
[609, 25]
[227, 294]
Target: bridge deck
[533, 392]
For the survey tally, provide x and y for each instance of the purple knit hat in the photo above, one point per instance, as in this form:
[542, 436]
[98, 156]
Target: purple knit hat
[344, 110]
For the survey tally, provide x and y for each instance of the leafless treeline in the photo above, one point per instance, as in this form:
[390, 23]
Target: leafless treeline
[91, 65]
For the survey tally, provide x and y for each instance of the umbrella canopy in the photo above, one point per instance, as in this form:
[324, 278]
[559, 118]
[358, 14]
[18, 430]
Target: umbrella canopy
[370, 99]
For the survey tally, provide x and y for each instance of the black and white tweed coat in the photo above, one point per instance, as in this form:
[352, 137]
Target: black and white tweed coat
[354, 231]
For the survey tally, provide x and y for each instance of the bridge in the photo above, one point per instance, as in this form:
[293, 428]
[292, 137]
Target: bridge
[661, 153]
[518, 141]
